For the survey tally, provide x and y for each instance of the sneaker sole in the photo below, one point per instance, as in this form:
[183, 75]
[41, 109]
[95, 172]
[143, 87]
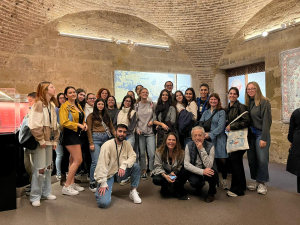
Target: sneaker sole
[134, 201]
[124, 183]
[93, 190]
[70, 194]
[251, 189]
[144, 178]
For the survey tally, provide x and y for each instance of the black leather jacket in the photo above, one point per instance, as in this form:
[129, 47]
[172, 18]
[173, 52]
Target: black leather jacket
[233, 112]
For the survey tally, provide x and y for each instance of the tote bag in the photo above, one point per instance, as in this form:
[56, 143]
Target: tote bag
[237, 139]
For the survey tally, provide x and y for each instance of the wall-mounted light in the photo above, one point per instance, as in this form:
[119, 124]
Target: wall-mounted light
[276, 29]
[129, 42]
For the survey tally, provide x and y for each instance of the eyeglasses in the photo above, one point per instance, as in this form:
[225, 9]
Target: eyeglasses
[170, 85]
[61, 97]
[251, 89]
[127, 101]
[92, 98]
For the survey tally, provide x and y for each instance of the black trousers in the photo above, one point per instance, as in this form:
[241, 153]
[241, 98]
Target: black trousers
[298, 184]
[238, 181]
[198, 181]
[65, 161]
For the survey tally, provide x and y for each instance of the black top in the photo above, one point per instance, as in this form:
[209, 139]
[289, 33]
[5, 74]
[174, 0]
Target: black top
[232, 112]
[294, 124]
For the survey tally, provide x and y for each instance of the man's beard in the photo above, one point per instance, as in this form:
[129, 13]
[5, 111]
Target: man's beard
[120, 138]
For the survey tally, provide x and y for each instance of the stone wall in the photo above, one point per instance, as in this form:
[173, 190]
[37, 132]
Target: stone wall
[46, 56]
[267, 49]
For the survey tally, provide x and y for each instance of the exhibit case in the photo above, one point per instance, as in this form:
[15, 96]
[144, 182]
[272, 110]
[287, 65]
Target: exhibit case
[13, 108]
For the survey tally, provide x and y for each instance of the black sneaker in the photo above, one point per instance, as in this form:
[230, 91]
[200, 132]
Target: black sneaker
[93, 187]
[144, 176]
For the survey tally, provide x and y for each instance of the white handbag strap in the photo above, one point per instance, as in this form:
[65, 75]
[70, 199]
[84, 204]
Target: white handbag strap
[238, 117]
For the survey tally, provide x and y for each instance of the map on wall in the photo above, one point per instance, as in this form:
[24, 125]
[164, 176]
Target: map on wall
[290, 69]
[127, 81]
[183, 82]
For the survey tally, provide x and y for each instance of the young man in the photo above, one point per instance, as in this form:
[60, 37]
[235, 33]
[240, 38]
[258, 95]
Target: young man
[200, 165]
[203, 100]
[116, 160]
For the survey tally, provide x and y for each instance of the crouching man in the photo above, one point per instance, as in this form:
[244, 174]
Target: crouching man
[116, 161]
[199, 163]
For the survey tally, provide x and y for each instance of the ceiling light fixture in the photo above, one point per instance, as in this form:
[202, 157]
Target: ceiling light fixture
[129, 42]
[265, 34]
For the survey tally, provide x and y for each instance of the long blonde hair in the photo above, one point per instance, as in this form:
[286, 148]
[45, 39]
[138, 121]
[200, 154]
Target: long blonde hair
[258, 95]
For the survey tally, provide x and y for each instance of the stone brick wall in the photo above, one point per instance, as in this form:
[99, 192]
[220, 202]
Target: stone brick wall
[85, 63]
[239, 52]
[202, 28]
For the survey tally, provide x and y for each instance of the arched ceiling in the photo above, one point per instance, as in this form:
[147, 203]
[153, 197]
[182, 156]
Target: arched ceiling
[202, 28]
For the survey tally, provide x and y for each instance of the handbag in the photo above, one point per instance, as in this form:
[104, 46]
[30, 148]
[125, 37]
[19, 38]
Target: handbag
[237, 139]
[26, 139]
[207, 124]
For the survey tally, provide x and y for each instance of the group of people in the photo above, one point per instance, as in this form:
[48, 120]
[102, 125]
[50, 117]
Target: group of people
[180, 138]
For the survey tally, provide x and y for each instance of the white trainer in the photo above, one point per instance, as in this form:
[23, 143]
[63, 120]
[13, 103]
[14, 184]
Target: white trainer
[69, 191]
[231, 194]
[253, 186]
[262, 189]
[225, 184]
[49, 197]
[134, 196]
[77, 187]
[36, 203]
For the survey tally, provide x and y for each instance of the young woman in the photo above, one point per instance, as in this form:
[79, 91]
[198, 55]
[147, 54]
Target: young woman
[103, 93]
[112, 107]
[258, 154]
[81, 97]
[71, 118]
[145, 113]
[126, 115]
[165, 116]
[216, 132]
[43, 126]
[180, 101]
[89, 106]
[131, 93]
[168, 163]
[233, 110]
[191, 107]
[59, 148]
[100, 129]
[138, 89]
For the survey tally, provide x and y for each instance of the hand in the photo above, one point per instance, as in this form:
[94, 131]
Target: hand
[206, 136]
[150, 123]
[199, 145]
[262, 144]
[92, 147]
[54, 147]
[164, 126]
[43, 146]
[121, 172]
[168, 178]
[208, 172]
[139, 132]
[173, 174]
[102, 190]
[227, 128]
[81, 126]
[291, 145]
[86, 127]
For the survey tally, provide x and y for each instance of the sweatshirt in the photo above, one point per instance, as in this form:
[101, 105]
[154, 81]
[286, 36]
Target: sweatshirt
[107, 164]
[88, 110]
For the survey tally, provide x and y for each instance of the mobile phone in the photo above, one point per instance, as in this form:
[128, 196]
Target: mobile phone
[172, 177]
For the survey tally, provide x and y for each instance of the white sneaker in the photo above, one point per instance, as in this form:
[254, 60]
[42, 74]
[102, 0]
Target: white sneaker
[36, 203]
[253, 186]
[58, 177]
[77, 187]
[225, 184]
[231, 194]
[69, 191]
[134, 195]
[49, 197]
[262, 189]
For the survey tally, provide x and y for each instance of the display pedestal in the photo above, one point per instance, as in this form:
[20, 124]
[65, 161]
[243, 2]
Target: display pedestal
[8, 172]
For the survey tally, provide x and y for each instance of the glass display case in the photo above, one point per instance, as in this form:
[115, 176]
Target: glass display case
[13, 108]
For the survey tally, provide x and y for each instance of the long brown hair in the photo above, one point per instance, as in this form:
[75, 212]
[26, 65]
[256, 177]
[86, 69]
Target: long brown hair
[216, 95]
[41, 91]
[100, 91]
[258, 95]
[130, 108]
[177, 152]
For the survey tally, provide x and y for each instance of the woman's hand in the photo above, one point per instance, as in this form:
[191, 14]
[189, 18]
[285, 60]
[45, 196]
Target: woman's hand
[173, 174]
[168, 178]
[80, 126]
[43, 146]
[54, 147]
[92, 147]
[86, 127]
[164, 126]
[150, 123]
[262, 144]
[227, 128]
[291, 145]
[139, 132]
[206, 136]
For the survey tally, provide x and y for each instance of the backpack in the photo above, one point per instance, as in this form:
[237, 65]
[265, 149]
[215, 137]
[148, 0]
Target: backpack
[185, 122]
[26, 138]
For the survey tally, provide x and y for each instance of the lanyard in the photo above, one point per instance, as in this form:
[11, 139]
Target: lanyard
[49, 111]
[118, 156]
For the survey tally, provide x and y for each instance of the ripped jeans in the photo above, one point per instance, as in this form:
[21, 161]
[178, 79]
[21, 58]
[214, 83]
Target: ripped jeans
[41, 182]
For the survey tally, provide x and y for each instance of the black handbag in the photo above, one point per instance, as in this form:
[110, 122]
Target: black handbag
[207, 124]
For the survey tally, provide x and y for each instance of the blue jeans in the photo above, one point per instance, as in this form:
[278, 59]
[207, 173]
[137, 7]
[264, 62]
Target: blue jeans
[134, 172]
[149, 142]
[59, 156]
[258, 158]
[98, 139]
[131, 139]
